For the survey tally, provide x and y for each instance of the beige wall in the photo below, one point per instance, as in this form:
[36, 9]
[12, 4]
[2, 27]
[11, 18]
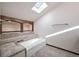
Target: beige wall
[10, 26]
[0, 8]
[27, 26]
[14, 26]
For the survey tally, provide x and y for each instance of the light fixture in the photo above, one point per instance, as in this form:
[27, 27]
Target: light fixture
[61, 32]
[39, 7]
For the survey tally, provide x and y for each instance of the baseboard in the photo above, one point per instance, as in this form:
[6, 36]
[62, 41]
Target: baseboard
[63, 49]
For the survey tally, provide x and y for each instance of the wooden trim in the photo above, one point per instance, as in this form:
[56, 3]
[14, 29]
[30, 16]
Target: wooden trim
[15, 31]
[63, 49]
[0, 27]
[32, 26]
[7, 18]
[10, 31]
[21, 27]
[26, 30]
[0, 16]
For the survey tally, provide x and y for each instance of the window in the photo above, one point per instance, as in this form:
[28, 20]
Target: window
[39, 7]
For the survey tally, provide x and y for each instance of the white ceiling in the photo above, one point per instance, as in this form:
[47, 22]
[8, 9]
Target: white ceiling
[23, 10]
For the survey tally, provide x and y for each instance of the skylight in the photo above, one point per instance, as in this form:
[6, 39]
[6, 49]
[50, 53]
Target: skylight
[39, 7]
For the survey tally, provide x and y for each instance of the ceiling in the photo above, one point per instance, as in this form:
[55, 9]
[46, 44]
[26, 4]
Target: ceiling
[23, 10]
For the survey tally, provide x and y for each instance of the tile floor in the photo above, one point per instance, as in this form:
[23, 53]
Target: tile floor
[49, 51]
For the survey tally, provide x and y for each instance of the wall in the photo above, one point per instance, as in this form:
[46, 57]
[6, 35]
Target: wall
[65, 13]
[10, 26]
[0, 8]
[0, 28]
[27, 26]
